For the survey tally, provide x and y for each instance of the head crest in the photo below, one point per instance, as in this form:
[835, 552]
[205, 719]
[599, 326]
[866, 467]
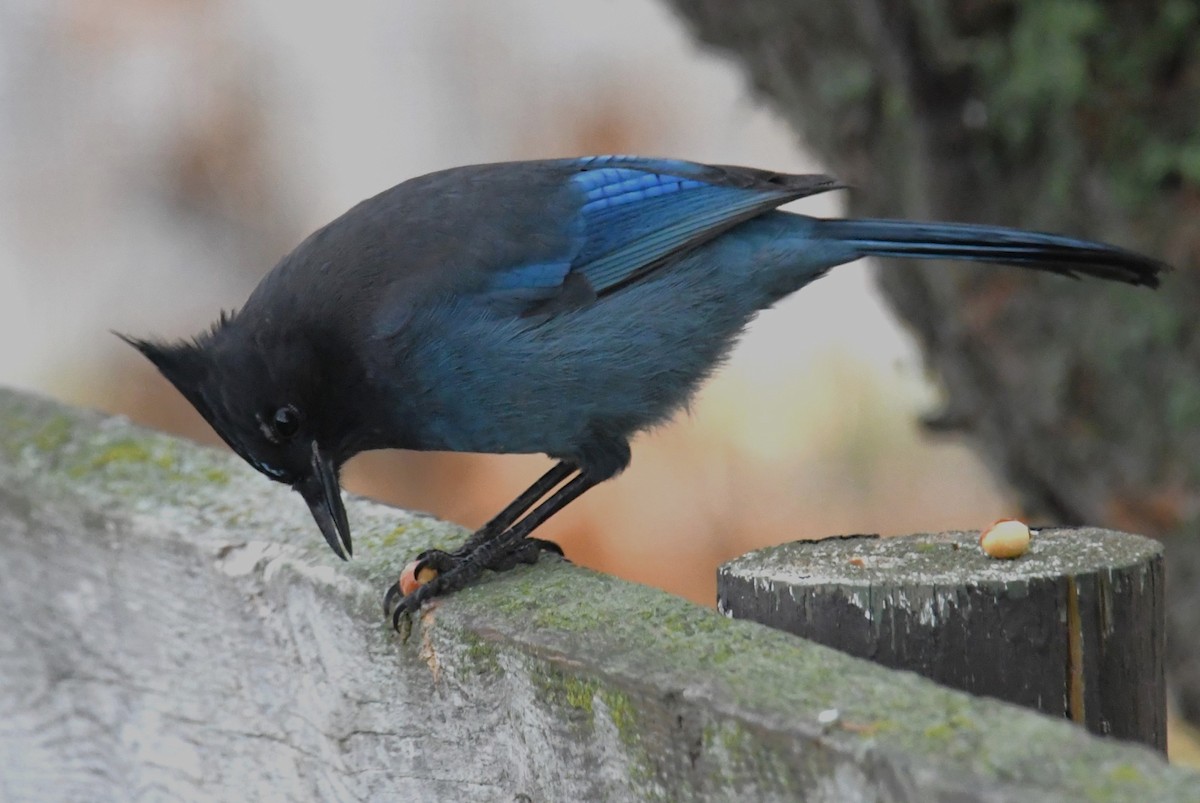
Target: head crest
[188, 364]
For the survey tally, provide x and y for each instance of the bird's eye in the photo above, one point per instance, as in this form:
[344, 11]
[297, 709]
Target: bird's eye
[286, 422]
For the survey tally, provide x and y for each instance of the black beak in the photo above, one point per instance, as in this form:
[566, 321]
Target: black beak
[324, 496]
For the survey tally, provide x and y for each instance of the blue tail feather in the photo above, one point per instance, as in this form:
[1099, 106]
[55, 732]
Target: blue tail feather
[1054, 253]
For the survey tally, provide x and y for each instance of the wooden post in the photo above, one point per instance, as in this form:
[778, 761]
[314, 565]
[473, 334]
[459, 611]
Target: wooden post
[1073, 628]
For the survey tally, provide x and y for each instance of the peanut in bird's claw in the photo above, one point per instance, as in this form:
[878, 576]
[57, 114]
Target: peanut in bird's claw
[1006, 539]
[413, 577]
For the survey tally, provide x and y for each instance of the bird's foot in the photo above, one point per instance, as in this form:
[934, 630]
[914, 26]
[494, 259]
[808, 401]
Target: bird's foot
[435, 573]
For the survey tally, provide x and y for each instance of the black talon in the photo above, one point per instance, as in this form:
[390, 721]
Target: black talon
[410, 604]
[389, 599]
[546, 545]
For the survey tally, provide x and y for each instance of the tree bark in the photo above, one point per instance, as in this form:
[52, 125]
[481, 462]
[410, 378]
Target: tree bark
[1068, 115]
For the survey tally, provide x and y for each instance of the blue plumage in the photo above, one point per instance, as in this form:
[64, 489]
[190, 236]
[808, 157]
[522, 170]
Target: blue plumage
[625, 215]
[556, 306]
[535, 275]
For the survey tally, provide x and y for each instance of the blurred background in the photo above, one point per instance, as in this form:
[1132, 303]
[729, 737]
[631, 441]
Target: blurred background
[159, 157]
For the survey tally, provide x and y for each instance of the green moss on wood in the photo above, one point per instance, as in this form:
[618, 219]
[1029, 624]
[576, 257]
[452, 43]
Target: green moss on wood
[623, 714]
[53, 435]
[482, 656]
[565, 690]
[215, 476]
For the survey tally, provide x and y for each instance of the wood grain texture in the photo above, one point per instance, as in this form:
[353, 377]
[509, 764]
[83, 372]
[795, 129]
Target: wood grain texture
[173, 628]
[1074, 628]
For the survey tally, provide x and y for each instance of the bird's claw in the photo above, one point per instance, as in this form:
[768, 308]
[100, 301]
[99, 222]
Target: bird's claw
[434, 572]
[401, 606]
[408, 605]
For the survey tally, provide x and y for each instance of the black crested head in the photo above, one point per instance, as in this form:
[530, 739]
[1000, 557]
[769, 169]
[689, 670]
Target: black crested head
[240, 389]
[268, 395]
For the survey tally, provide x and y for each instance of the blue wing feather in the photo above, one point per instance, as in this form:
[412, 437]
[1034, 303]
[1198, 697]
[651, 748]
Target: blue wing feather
[634, 214]
[637, 213]
[624, 241]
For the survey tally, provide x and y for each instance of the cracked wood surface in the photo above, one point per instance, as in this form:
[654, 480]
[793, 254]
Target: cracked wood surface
[172, 627]
[1073, 628]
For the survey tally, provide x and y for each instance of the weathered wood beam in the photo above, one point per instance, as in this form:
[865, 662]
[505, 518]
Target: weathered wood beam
[171, 626]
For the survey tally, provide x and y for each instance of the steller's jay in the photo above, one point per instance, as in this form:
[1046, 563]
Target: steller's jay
[552, 306]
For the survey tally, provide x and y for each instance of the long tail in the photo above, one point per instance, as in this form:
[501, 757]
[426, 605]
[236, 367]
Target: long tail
[1027, 249]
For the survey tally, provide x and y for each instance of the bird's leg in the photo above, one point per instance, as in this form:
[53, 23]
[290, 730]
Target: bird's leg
[518, 507]
[440, 561]
[433, 562]
[497, 550]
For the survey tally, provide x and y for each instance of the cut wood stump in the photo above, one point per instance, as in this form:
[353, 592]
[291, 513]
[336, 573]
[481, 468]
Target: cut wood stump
[1073, 628]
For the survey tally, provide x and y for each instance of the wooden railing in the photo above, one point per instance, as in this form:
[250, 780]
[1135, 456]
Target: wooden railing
[172, 627]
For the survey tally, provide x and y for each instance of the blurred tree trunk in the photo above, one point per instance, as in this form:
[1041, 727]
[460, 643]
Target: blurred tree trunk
[1072, 115]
